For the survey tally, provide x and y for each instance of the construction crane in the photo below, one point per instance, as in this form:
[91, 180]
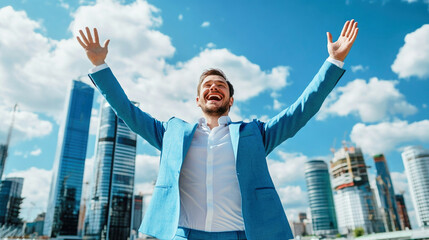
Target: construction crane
[4, 148]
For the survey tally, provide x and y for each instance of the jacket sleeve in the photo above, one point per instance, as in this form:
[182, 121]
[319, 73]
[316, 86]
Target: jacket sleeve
[288, 122]
[138, 121]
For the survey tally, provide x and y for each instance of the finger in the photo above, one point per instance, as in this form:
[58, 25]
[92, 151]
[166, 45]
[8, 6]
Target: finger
[343, 32]
[349, 28]
[96, 35]
[89, 35]
[355, 32]
[81, 43]
[329, 37]
[106, 43]
[83, 37]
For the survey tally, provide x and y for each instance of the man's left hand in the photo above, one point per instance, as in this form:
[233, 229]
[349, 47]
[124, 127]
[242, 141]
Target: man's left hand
[338, 50]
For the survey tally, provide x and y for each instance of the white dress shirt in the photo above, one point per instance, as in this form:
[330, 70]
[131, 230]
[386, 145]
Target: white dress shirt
[210, 197]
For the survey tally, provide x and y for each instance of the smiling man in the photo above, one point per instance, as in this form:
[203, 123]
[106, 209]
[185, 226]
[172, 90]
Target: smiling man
[213, 180]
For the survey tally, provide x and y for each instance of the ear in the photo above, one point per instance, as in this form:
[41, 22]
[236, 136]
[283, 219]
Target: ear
[231, 101]
[198, 101]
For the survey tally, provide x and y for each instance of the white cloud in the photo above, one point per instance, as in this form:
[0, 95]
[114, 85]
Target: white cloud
[205, 24]
[35, 191]
[413, 57]
[386, 136]
[27, 125]
[288, 170]
[36, 152]
[373, 101]
[94, 122]
[357, 68]
[277, 105]
[210, 45]
[180, 17]
[137, 55]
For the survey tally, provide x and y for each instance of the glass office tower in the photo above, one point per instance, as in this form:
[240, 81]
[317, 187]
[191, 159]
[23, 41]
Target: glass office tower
[416, 163]
[320, 198]
[10, 201]
[402, 212]
[66, 186]
[386, 195]
[3, 156]
[109, 215]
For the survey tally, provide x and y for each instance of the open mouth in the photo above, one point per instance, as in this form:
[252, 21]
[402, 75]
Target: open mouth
[214, 97]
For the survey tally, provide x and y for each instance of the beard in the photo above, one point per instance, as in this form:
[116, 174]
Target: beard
[216, 111]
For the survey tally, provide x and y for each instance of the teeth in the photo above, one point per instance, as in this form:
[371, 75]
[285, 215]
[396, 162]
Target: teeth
[214, 97]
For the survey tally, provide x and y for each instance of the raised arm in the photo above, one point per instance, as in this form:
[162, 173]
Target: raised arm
[288, 122]
[138, 121]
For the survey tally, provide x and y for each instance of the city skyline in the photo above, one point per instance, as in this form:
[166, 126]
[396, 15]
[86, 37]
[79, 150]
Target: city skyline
[262, 59]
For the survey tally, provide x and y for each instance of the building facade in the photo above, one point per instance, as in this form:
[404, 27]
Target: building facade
[109, 215]
[354, 199]
[10, 201]
[137, 212]
[402, 212]
[3, 156]
[416, 163]
[386, 195]
[320, 197]
[66, 186]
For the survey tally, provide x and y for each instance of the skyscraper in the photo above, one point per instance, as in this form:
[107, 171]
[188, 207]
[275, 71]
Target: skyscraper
[354, 200]
[66, 186]
[3, 156]
[110, 211]
[402, 212]
[416, 163]
[386, 195]
[320, 197]
[10, 201]
[137, 212]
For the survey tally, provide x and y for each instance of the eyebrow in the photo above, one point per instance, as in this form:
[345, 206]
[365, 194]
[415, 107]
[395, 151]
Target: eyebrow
[223, 82]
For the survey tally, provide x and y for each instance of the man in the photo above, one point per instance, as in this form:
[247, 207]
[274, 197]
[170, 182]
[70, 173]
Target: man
[213, 180]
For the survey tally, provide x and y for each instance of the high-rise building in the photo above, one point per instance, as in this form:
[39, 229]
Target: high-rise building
[10, 201]
[137, 212]
[320, 197]
[3, 156]
[402, 212]
[386, 195]
[66, 186]
[416, 163]
[109, 215]
[354, 199]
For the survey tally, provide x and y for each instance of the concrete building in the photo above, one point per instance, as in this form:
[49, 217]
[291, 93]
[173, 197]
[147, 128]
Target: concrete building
[416, 163]
[64, 198]
[402, 212]
[354, 200]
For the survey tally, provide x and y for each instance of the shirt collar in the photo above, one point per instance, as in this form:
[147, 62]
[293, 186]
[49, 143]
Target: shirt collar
[223, 120]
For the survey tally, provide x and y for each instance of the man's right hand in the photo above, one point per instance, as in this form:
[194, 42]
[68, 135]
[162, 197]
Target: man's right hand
[95, 52]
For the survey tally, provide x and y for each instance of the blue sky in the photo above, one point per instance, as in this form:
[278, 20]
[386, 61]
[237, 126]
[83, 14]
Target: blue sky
[270, 52]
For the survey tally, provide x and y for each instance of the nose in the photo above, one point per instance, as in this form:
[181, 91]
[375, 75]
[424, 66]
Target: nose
[213, 87]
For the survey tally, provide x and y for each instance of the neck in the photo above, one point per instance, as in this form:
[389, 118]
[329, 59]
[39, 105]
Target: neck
[212, 120]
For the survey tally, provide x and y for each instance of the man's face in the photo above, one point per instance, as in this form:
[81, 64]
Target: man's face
[214, 96]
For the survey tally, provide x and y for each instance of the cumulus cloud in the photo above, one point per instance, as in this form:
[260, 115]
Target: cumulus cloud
[205, 24]
[27, 125]
[35, 191]
[288, 170]
[413, 57]
[386, 136]
[146, 172]
[371, 101]
[358, 68]
[137, 55]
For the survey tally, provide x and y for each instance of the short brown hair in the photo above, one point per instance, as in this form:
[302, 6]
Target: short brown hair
[217, 72]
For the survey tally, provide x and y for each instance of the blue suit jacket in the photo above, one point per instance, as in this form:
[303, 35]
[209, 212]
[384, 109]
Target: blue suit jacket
[263, 214]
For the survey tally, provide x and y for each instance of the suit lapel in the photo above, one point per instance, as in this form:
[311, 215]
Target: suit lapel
[234, 132]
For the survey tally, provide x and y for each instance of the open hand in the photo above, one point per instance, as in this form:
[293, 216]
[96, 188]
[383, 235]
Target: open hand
[338, 50]
[96, 53]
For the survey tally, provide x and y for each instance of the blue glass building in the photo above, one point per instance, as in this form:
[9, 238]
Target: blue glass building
[386, 195]
[66, 186]
[109, 214]
[10, 201]
[320, 197]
